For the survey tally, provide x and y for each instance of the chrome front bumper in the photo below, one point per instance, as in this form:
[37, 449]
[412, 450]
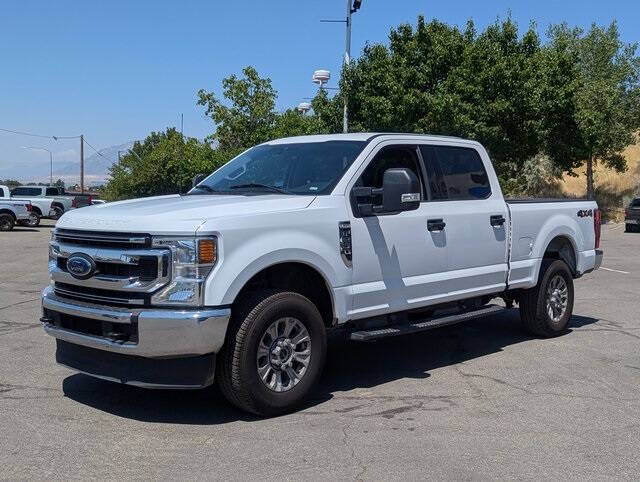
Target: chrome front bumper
[160, 333]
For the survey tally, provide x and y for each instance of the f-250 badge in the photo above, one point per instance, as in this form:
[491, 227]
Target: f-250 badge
[583, 213]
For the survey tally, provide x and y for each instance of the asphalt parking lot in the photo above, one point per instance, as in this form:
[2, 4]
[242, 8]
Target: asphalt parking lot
[479, 400]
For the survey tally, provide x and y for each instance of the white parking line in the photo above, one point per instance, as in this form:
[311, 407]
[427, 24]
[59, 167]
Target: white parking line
[614, 270]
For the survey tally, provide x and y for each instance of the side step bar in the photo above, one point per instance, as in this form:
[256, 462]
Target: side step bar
[424, 325]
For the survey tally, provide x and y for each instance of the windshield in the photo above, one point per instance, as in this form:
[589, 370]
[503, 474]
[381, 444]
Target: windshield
[297, 168]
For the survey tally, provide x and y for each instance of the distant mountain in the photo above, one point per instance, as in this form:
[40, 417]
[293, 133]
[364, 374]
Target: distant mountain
[96, 166]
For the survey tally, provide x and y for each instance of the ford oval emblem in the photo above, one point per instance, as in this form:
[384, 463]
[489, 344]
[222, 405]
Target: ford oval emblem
[81, 266]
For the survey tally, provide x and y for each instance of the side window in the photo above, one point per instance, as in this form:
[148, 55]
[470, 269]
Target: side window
[2, 194]
[463, 175]
[26, 191]
[52, 191]
[391, 157]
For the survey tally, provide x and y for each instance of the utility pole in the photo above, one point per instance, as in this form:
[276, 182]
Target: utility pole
[82, 163]
[181, 123]
[347, 59]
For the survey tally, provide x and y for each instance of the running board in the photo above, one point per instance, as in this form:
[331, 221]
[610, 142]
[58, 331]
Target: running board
[424, 325]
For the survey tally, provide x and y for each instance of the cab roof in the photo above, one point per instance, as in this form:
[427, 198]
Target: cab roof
[358, 136]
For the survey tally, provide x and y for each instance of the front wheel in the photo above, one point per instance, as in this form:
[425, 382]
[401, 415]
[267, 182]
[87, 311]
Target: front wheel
[545, 310]
[274, 353]
[57, 213]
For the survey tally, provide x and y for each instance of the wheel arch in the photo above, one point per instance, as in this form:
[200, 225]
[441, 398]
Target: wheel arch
[299, 276]
[59, 205]
[9, 212]
[563, 248]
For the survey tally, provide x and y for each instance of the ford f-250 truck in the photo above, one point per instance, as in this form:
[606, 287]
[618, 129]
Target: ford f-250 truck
[240, 280]
[61, 201]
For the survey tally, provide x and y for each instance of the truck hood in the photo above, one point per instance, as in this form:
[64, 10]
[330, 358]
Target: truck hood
[176, 214]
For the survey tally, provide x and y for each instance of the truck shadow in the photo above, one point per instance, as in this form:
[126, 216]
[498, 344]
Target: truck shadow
[350, 365]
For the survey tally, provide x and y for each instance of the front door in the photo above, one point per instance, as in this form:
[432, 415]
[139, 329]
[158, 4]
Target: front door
[398, 259]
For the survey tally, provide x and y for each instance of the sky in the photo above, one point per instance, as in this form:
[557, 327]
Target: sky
[117, 70]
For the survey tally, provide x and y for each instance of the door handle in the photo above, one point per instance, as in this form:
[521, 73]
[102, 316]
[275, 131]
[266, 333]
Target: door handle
[435, 224]
[497, 220]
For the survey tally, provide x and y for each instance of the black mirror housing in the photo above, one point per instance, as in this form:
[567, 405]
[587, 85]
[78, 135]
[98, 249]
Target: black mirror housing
[400, 190]
[197, 179]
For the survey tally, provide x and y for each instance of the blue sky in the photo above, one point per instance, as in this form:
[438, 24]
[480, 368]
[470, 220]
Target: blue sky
[117, 70]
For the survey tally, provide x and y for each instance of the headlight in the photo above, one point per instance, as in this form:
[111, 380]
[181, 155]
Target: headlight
[54, 251]
[192, 259]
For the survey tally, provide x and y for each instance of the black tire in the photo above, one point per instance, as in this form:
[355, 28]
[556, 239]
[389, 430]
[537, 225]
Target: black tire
[533, 302]
[32, 222]
[237, 371]
[6, 222]
[58, 213]
[628, 228]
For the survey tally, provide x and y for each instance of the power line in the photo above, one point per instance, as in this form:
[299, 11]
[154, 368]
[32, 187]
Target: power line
[97, 151]
[38, 135]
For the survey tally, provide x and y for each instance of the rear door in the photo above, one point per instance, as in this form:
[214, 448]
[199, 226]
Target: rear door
[475, 217]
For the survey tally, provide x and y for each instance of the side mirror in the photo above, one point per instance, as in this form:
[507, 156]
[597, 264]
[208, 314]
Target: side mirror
[400, 190]
[197, 179]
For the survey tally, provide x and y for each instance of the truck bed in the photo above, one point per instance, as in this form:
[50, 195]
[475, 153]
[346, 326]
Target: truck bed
[535, 223]
[543, 200]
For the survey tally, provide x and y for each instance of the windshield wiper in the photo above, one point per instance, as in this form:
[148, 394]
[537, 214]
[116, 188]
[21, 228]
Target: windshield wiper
[260, 186]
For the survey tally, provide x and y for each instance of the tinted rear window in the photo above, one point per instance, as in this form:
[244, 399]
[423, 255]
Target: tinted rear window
[456, 173]
[26, 191]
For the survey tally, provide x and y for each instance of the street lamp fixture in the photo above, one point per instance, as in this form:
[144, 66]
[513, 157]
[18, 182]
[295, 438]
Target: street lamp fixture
[304, 107]
[321, 77]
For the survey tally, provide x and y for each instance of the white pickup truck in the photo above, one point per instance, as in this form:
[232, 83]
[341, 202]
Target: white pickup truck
[240, 280]
[41, 206]
[13, 212]
[60, 201]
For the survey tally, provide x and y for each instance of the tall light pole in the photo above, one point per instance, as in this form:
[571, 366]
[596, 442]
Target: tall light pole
[50, 160]
[352, 7]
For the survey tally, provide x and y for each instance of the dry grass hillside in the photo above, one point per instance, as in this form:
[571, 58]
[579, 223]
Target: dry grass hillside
[613, 189]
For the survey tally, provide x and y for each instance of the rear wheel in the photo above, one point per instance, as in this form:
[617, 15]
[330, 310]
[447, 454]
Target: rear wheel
[6, 222]
[545, 310]
[628, 228]
[274, 353]
[32, 222]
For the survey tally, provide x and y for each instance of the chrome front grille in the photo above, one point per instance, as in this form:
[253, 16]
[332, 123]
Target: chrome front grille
[127, 269]
[96, 238]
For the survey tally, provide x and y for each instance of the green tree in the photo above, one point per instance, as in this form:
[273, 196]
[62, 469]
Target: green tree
[599, 110]
[164, 163]
[439, 79]
[59, 183]
[249, 118]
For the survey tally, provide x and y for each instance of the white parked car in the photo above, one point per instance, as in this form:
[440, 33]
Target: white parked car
[240, 280]
[39, 207]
